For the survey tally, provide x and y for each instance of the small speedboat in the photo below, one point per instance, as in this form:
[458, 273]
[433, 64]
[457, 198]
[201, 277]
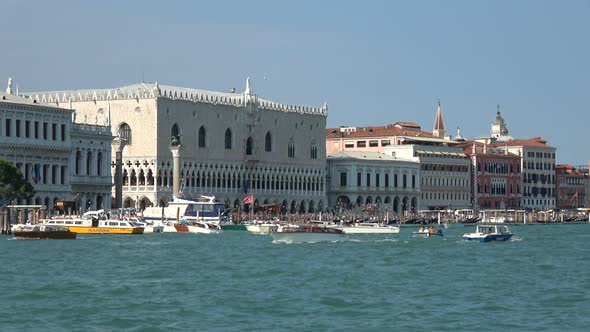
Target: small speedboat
[487, 233]
[368, 228]
[43, 232]
[428, 232]
[307, 234]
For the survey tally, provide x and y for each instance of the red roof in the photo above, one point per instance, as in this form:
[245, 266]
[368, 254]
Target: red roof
[532, 142]
[376, 131]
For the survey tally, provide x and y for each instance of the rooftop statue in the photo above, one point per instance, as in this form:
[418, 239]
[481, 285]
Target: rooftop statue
[9, 87]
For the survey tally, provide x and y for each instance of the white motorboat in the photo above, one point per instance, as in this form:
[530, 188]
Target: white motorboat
[203, 227]
[307, 234]
[261, 227]
[368, 228]
[428, 232]
[488, 232]
[203, 209]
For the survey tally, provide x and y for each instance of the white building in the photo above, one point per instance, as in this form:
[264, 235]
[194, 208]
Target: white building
[444, 171]
[231, 144]
[538, 171]
[537, 164]
[47, 147]
[362, 178]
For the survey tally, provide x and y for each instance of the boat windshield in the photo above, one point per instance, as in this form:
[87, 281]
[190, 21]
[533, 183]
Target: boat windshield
[205, 209]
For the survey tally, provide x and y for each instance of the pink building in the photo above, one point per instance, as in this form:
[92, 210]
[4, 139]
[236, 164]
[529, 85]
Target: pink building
[571, 187]
[496, 177]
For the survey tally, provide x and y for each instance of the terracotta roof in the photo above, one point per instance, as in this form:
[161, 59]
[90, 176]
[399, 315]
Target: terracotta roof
[407, 125]
[531, 142]
[467, 147]
[376, 131]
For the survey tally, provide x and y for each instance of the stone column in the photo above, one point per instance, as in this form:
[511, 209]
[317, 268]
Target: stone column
[175, 149]
[118, 144]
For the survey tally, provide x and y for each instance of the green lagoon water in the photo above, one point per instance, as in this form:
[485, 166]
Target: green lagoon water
[236, 281]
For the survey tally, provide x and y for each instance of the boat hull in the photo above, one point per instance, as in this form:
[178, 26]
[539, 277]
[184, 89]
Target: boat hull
[370, 230]
[427, 234]
[232, 227]
[487, 238]
[306, 237]
[153, 229]
[58, 235]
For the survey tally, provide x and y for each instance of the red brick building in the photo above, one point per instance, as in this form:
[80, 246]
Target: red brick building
[496, 177]
[571, 187]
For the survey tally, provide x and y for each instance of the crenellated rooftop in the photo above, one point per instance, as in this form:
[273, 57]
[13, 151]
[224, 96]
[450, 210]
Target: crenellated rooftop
[155, 90]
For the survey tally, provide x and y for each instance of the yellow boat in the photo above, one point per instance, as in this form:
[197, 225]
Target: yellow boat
[89, 225]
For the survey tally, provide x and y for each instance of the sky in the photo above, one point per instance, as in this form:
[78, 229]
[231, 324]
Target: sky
[373, 62]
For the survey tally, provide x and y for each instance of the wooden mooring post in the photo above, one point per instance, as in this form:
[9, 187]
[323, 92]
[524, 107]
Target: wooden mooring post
[5, 220]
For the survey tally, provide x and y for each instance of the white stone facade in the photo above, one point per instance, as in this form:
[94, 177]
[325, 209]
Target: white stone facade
[365, 178]
[538, 173]
[42, 142]
[444, 174]
[231, 144]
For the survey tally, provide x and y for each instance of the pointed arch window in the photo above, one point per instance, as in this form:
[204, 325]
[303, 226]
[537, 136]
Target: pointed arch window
[202, 137]
[291, 149]
[175, 134]
[313, 151]
[268, 142]
[99, 164]
[125, 132]
[249, 146]
[228, 139]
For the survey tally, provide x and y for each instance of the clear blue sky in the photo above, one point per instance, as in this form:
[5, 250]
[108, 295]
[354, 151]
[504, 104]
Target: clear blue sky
[374, 62]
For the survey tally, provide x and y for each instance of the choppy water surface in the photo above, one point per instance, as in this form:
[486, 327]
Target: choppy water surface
[540, 280]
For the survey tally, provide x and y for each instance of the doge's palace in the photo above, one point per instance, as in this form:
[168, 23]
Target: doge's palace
[232, 144]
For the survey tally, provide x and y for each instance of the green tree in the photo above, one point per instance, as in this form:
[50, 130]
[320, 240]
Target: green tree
[13, 184]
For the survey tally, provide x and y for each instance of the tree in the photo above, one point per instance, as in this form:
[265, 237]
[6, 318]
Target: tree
[13, 184]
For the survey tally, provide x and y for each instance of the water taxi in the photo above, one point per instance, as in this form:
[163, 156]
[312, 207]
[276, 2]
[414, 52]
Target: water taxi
[42, 232]
[307, 234]
[89, 225]
[487, 233]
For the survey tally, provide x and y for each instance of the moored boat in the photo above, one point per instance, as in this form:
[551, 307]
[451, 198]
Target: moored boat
[43, 232]
[488, 233]
[309, 234]
[261, 227]
[91, 225]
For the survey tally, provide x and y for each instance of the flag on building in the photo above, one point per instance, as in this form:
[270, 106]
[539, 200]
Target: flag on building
[248, 200]
[36, 174]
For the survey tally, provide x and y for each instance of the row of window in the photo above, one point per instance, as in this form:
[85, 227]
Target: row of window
[444, 182]
[363, 144]
[497, 168]
[541, 166]
[497, 188]
[86, 162]
[534, 178]
[444, 168]
[540, 155]
[447, 196]
[225, 182]
[43, 174]
[34, 129]
[535, 191]
[377, 177]
[125, 133]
